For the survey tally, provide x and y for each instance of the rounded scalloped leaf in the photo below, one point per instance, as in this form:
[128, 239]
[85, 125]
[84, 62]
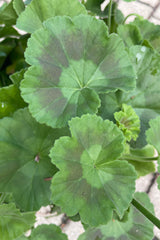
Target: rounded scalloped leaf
[24, 162]
[37, 12]
[14, 223]
[133, 226]
[47, 232]
[71, 65]
[91, 181]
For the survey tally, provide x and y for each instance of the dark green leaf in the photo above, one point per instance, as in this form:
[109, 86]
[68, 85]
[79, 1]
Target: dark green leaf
[47, 232]
[24, 163]
[153, 133]
[130, 34]
[145, 99]
[8, 15]
[94, 6]
[6, 46]
[149, 31]
[133, 226]
[69, 72]
[18, 6]
[141, 159]
[8, 31]
[13, 223]
[37, 12]
[10, 100]
[89, 172]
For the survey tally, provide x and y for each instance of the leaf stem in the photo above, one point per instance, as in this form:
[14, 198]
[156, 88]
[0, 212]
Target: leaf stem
[129, 15]
[110, 15]
[138, 159]
[146, 213]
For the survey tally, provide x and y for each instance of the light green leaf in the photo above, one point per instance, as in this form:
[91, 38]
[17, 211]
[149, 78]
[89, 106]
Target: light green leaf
[128, 121]
[8, 15]
[133, 226]
[153, 133]
[13, 223]
[10, 100]
[68, 72]
[24, 163]
[130, 34]
[47, 232]
[149, 31]
[90, 172]
[37, 12]
[141, 159]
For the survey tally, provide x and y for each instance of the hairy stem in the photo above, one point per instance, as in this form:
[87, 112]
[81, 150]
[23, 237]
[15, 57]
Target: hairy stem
[146, 213]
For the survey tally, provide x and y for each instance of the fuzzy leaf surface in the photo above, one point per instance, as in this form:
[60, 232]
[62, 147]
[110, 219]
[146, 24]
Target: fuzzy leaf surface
[37, 12]
[133, 226]
[68, 72]
[24, 161]
[89, 172]
[13, 223]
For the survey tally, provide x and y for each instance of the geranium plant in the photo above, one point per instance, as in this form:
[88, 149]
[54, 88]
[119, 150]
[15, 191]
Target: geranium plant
[80, 118]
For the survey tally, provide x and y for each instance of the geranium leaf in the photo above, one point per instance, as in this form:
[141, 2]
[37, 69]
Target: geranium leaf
[153, 133]
[128, 121]
[130, 34]
[13, 223]
[141, 159]
[24, 162]
[10, 100]
[46, 232]
[145, 99]
[149, 31]
[68, 71]
[133, 226]
[8, 31]
[35, 14]
[89, 172]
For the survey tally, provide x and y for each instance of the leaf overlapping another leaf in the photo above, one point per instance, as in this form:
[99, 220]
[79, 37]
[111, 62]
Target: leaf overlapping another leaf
[71, 65]
[37, 12]
[91, 181]
[133, 226]
[13, 223]
[24, 161]
[145, 98]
